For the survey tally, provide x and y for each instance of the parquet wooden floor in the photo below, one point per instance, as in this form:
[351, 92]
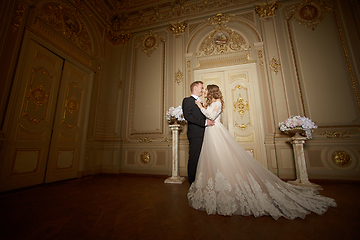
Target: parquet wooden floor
[109, 206]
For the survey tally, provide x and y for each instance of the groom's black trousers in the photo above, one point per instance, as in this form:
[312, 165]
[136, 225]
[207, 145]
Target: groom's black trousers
[194, 153]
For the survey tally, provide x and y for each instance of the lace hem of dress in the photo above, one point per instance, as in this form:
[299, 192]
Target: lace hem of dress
[247, 197]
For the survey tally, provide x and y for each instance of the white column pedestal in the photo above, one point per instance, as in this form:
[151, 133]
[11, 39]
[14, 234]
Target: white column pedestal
[302, 180]
[175, 177]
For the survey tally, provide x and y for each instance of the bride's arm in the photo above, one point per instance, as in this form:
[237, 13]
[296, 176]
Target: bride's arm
[213, 111]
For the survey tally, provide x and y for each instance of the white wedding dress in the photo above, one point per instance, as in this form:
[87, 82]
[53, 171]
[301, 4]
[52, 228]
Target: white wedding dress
[230, 181]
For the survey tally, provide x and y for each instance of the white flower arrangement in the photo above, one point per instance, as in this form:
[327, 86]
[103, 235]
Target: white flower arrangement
[294, 122]
[176, 113]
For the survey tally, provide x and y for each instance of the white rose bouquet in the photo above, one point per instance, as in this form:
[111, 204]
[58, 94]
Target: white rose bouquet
[297, 122]
[175, 114]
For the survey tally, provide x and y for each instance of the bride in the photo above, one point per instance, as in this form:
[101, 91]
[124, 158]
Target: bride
[230, 181]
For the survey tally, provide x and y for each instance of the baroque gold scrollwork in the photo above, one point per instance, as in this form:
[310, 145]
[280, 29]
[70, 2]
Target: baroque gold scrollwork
[179, 77]
[145, 157]
[178, 27]
[66, 21]
[18, 16]
[38, 96]
[309, 13]
[275, 65]
[267, 10]
[341, 158]
[150, 42]
[116, 39]
[72, 105]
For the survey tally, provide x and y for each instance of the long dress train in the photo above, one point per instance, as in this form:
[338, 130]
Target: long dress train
[230, 181]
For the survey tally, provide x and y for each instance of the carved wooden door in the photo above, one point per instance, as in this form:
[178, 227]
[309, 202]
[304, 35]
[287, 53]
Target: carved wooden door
[242, 113]
[32, 107]
[46, 123]
[66, 145]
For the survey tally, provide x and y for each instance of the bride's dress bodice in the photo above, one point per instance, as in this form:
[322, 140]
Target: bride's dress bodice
[213, 111]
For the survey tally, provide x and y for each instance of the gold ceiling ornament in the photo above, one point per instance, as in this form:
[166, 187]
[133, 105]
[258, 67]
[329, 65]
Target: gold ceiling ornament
[336, 134]
[18, 16]
[275, 65]
[117, 39]
[150, 42]
[179, 77]
[145, 157]
[309, 12]
[268, 10]
[341, 158]
[67, 21]
[178, 28]
[222, 40]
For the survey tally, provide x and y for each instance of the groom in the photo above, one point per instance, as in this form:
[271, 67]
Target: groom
[196, 127]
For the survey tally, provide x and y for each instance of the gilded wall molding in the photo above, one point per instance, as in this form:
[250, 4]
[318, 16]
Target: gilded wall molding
[336, 134]
[68, 22]
[18, 17]
[178, 28]
[219, 19]
[341, 158]
[150, 42]
[275, 65]
[179, 77]
[267, 10]
[309, 13]
[117, 39]
[290, 14]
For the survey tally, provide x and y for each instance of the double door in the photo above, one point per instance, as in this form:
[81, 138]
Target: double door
[242, 114]
[46, 119]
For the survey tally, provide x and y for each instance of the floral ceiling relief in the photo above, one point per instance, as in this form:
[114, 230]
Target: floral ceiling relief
[66, 21]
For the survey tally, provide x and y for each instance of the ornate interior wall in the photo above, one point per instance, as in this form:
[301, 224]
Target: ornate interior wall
[144, 59]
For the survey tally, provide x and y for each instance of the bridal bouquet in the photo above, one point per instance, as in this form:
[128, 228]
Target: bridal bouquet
[175, 114]
[297, 122]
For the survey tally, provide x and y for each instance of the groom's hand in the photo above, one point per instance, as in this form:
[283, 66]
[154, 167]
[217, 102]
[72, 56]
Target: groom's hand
[210, 123]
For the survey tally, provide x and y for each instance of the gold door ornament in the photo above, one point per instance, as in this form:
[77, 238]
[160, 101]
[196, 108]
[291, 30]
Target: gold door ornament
[241, 106]
[72, 105]
[36, 105]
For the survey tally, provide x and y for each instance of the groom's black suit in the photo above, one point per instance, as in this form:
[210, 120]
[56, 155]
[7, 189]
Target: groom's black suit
[195, 133]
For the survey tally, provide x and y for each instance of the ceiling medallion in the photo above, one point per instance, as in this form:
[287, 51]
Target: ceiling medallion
[310, 13]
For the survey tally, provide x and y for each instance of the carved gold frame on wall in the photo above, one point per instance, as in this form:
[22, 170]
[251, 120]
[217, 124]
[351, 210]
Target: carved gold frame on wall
[148, 49]
[309, 23]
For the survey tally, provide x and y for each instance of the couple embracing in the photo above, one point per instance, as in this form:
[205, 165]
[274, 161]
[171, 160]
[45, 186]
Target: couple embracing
[225, 179]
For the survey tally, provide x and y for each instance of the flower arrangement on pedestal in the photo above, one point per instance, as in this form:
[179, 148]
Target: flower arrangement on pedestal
[297, 123]
[175, 115]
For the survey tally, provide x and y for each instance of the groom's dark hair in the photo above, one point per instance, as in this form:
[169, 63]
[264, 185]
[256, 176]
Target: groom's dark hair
[194, 84]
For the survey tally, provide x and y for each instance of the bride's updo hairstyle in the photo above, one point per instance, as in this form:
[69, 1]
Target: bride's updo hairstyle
[214, 93]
